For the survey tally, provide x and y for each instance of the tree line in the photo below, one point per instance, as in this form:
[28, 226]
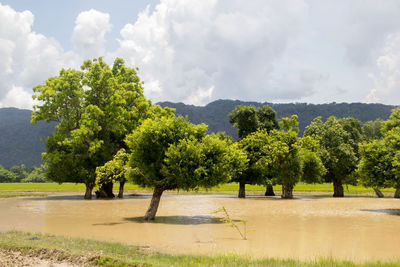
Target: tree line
[21, 174]
[107, 132]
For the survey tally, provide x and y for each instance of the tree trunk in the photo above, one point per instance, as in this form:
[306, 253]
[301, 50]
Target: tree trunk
[269, 191]
[287, 191]
[397, 193]
[121, 189]
[105, 190]
[155, 201]
[378, 193]
[242, 190]
[338, 188]
[88, 193]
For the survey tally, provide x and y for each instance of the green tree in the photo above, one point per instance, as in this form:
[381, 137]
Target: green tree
[95, 108]
[301, 161]
[391, 133]
[380, 158]
[113, 171]
[353, 127]
[263, 151]
[170, 153]
[337, 150]
[371, 130]
[20, 172]
[245, 119]
[282, 156]
[267, 118]
[392, 122]
[379, 164]
[375, 165]
[37, 175]
[392, 142]
[206, 162]
[313, 168]
[248, 119]
[7, 176]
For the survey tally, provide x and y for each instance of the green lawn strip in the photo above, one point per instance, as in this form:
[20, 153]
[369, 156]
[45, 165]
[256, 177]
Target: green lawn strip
[65, 187]
[41, 187]
[117, 254]
[325, 187]
[51, 187]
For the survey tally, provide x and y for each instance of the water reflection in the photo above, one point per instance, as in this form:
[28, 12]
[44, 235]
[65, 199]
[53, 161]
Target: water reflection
[386, 211]
[183, 220]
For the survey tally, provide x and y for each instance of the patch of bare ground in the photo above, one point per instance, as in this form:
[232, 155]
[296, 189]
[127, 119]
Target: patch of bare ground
[43, 257]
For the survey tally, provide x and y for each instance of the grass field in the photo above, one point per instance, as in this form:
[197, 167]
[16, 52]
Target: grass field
[54, 187]
[116, 254]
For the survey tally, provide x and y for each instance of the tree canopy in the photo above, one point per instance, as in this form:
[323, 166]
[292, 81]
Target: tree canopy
[171, 153]
[7, 176]
[338, 149]
[248, 119]
[95, 108]
[372, 130]
[380, 158]
[279, 156]
[263, 151]
[112, 171]
[300, 162]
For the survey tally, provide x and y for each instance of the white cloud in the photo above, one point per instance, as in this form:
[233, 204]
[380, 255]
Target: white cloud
[17, 97]
[27, 58]
[291, 86]
[44, 58]
[15, 26]
[197, 51]
[367, 23]
[200, 97]
[187, 46]
[387, 81]
[89, 33]
[372, 97]
[6, 50]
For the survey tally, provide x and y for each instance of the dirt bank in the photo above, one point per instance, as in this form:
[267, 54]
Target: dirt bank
[43, 257]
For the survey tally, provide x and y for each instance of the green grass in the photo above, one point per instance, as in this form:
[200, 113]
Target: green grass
[54, 187]
[117, 254]
[50, 187]
[325, 187]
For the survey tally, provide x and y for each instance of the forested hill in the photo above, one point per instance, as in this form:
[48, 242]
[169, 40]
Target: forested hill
[215, 114]
[20, 140]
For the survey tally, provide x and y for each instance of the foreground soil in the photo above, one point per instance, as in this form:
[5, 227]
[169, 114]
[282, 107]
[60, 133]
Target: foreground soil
[20, 249]
[42, 257]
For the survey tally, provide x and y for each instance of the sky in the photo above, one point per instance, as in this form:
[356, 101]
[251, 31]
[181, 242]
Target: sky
[198, 51]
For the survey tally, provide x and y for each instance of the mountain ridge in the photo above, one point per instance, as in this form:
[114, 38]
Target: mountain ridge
[20, 140]
[306, 112]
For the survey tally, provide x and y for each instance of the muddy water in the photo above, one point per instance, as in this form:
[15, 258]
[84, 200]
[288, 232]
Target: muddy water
[305, 228]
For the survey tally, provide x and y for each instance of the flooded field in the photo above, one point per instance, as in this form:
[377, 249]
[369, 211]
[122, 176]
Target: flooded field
[355, 228]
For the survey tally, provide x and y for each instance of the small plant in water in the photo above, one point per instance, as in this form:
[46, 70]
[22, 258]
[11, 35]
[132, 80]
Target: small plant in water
[227, 219]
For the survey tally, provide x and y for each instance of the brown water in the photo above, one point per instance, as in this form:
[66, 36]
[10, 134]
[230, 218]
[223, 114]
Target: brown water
[305, 228]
